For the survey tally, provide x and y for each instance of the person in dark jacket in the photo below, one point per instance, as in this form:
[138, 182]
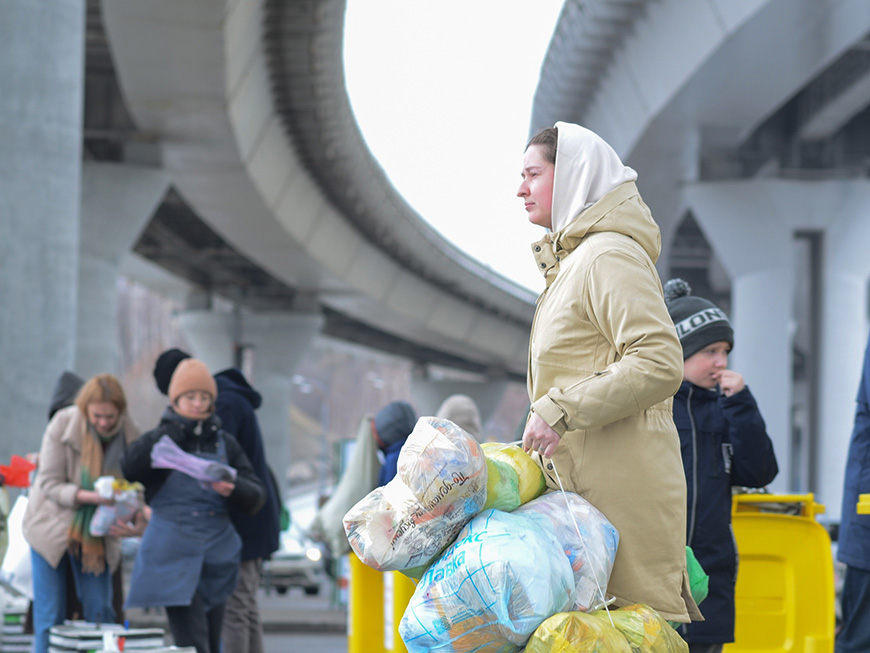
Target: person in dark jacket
[188, 561]
[724, 443]
[854, 542]
[260, 532]
[391, 426]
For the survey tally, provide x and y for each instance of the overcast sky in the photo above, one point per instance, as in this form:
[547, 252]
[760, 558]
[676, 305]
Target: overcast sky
[442, 92]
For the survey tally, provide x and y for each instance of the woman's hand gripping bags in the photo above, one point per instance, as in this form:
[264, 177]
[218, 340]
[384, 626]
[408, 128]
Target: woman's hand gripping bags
[439, 487]
[508, 572]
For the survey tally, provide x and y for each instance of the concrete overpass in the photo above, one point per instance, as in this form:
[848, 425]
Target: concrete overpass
[749, 126]
[216, 142]
[217, 145]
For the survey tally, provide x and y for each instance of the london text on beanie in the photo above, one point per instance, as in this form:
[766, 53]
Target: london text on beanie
[699, 322]
[191, 374]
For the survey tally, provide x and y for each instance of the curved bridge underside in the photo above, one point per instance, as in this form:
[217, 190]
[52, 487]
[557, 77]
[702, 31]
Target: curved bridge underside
[247, 102]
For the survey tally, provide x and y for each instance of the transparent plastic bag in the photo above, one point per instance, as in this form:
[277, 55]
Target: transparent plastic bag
[128, 501]
[439, 487]
[645, 630]
[568, 632]
[490, 590]
[631, 629]
[590, 544]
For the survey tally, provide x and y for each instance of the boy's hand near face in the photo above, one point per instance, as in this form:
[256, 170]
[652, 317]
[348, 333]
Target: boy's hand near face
[730, 382]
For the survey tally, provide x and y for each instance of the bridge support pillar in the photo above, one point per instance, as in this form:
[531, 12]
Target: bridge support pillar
[117, 202]
[213, 336]
[40, 166]
[753, 226]
[280, 341]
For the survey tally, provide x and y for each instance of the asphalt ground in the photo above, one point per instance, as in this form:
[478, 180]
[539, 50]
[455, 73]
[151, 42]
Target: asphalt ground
[293, 612]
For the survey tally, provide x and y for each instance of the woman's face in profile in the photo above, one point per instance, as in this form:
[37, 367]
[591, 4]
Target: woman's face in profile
[536, 188]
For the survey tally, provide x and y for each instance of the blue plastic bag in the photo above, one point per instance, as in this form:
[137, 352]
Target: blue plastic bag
[489, 591]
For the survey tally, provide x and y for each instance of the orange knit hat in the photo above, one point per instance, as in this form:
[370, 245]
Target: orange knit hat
[191, 374]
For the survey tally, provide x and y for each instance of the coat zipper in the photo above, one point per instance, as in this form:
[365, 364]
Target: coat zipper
[692, 515]
[684, 629]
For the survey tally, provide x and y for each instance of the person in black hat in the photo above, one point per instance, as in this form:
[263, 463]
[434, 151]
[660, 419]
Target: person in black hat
[724, 443]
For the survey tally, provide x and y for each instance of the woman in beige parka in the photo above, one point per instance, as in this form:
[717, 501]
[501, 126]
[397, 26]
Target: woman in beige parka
[605, 361]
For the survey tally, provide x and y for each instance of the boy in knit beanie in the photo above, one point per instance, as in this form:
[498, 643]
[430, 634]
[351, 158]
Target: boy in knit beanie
[724, 443]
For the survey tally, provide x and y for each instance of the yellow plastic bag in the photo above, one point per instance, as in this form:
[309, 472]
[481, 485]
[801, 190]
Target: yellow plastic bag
[645, 629]
[569, 632]
[531, 479]
[502, 486]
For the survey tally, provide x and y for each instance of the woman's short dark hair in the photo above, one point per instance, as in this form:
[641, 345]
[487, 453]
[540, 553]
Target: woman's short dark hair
[547, 139]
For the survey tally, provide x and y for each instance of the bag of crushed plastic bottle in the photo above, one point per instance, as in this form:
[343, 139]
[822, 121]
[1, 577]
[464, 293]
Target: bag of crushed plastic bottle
[502, 486]
[645, 629]
[631, 629]
[439, 487]
[589, 540]
[568, 632]
[530, 479]
[491, 589]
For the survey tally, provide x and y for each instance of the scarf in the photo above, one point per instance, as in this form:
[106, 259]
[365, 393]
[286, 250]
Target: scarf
[82, 544]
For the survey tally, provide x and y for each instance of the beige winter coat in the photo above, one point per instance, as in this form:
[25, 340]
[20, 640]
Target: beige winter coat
[604, 362]
[52, 502]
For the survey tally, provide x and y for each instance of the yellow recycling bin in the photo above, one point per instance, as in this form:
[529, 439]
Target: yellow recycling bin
[784, 597]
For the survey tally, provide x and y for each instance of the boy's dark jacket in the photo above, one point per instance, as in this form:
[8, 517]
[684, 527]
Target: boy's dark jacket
[248, 494]
[236, 403]
[724, 443]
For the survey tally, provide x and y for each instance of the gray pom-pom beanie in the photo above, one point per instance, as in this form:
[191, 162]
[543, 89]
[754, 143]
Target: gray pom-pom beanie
[699, 322]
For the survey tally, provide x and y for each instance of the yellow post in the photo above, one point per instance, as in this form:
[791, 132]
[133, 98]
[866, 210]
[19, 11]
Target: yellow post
[398, 590]
[365, 615]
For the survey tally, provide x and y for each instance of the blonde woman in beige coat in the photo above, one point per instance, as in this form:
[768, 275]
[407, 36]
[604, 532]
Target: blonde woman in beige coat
[81, 443]
[605, 361]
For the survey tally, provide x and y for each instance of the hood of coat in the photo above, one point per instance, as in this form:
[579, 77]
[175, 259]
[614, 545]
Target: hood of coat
[65, 391]
[621, 211]
[232, 380]
[587, 169]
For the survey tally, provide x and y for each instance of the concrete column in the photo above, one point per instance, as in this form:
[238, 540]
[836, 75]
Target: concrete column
[752, 238]
[117, 203]
[751, 226]
[41, 77]
[212, 336]
[427, 394]
[280, 341]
